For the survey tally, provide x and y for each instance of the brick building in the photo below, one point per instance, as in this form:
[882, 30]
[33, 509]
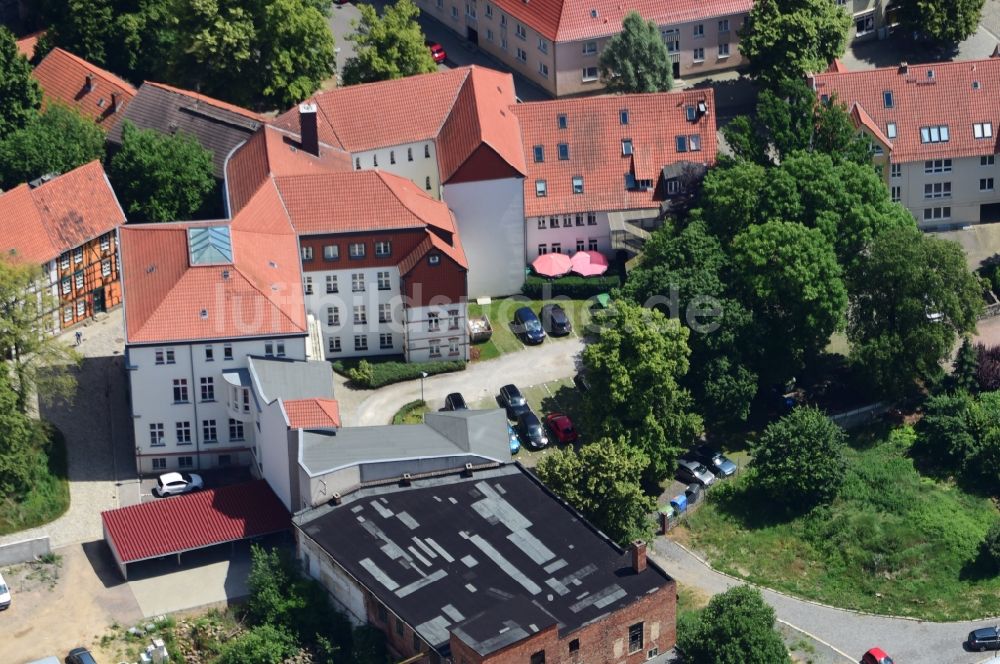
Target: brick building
[66, 224]
[487, 566]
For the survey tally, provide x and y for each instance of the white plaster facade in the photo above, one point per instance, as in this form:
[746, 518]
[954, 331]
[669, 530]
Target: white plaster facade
[416, 162]
[437, 332]
[567, 234]
[945, 194]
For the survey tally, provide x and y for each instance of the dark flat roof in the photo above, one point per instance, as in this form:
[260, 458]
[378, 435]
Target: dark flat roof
[494, 557]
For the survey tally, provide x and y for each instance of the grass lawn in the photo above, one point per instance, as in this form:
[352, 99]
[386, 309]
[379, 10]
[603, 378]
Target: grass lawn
[501, 313]
[893, 542]
[411, 413]
[48, 498]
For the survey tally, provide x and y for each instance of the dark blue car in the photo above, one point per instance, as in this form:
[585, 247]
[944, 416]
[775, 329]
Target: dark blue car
[527, 326]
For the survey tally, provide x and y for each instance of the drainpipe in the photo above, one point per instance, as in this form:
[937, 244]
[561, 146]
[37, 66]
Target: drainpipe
[195, 396]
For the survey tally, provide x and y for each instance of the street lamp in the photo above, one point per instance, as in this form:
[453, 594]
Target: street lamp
[423, 374]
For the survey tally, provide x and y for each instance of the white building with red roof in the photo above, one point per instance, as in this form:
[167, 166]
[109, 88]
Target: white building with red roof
[556, 44]
[933, 129]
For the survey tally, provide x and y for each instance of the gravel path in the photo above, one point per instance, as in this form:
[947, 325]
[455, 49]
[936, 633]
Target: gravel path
[538, 364]
[910, 641]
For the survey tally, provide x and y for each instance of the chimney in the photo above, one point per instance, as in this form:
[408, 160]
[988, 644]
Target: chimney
[904, 68]
[115, 101]
[307, 126]
[89, 85]
[638, 551]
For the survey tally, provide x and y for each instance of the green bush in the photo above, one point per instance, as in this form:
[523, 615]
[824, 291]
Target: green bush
[264, 644]
[374, 374]
[991, 544]
[575, 287]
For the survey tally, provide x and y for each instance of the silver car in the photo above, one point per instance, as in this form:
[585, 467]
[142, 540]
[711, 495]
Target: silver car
[692, 472]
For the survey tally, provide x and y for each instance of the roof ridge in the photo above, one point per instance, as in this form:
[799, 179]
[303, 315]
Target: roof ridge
[212, 101]
[451, 107]
[107, 75]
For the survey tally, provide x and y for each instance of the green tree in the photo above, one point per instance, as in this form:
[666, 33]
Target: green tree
[264, 644]
[388, 46]
[737, 627]
[20, 95]
[37, 361]
[20, 439]
[82, 27]
[292, 73]
[603, 481]
[635, 366]
[57, 141]
[949, 22]
[732, 199]
[159, 177]
[799, 460]
[216, 48]
[790, 38]
[636, 59]
[914, 295]
[789, 277]
[965, 366]
[943, 433]
[991, 544]
[143, 41]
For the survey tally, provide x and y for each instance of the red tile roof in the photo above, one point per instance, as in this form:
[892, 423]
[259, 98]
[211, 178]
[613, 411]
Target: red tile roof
[572, 20]
[458, 108]
[63, 77]
[259, 294]
[958, 95]
[594, 136]
[312, 413]
[26, 44]
[42, 223]
[194, 521]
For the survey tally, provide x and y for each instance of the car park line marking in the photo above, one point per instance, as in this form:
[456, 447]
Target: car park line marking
[817, 640]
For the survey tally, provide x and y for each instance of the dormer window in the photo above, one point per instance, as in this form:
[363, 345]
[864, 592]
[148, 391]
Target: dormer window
[890, 129]
[563, 151]
[935, 134]
[982, 130]
[539, 154]
[577, 184]
[887, 98]
[691, 113]
[694, 142]
[681, 143]
[626, 147]
[541, 189]
[623, 116]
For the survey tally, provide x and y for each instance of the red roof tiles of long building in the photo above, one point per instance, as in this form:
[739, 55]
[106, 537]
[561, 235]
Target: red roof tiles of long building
[63, 77]
[953, 94]
[312, 413]
[42, 223]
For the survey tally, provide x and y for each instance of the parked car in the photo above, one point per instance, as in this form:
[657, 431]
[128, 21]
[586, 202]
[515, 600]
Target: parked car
[555, 321]
[437, 51]
[986, 638]
[876, 656]
[527, 326]
[692, 472]
[4, 594]
[715, 460]
[512, 401]
[515, 442]
[80, 656]
[455, 401]
[562, 428]
[530, 430]
[174, 484]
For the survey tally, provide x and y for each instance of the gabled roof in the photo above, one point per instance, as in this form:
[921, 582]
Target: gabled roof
[953, 94]
[217, 126]
[167, 299]
[458, 108]
[63, 77]
[42, 223]
[572, 20]
[313, 414]
[594, 137]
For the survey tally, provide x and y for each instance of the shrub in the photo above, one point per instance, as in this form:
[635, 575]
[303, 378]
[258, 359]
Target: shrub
[265, 644]
[575, 287]
[371, 375]
[991, 544]
[988, 367]
[736, 626]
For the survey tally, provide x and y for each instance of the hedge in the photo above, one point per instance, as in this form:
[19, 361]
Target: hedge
[575, 287]
[374, 374]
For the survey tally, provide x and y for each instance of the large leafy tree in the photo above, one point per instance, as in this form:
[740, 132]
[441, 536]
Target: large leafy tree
[388, 46]
[20, 95]
[789, 277]
[914, 295]
[635, 367]
[20, 442]
[603, 481]
[292, 73]
[159, 177]
[736, 626]
[217, 47]
[789, 38]
[34, 359]
[143, 41]
[83, 27]
[948, 22]
[57, 141]
[799, 460]
[636, 59]
[966, 366]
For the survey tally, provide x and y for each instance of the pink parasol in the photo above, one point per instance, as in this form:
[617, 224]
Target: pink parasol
[551, 265]
[589, 263]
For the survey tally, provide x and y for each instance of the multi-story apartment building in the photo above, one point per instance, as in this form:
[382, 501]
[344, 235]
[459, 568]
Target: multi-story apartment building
[96, 93]
[596, 165]
[66, 224]
[556, 43]
[932, 131]
[452, 134]
[869, 18]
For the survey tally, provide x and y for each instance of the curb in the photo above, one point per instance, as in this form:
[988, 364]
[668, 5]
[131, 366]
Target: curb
[817, 640]
[856, 612]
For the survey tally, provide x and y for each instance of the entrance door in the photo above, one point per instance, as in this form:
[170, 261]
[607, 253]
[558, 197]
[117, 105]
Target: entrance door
[472, 34]
[98, 299]
[677, 69]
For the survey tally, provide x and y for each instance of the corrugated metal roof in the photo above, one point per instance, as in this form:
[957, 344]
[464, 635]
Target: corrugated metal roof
[194, 521]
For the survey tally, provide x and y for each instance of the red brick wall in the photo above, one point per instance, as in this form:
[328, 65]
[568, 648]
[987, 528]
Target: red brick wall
[443, 283]
[597, 641]
[403, 242]
[401, 647]
[483, 164]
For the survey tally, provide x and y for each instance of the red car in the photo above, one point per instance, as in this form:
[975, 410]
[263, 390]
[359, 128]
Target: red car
[562, 428]
[437, 51]
[876, 656]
